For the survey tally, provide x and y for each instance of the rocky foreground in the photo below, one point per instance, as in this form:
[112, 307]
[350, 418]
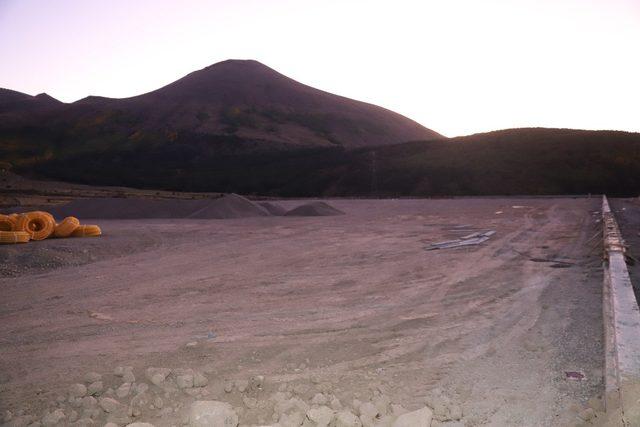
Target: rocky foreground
[186, 397]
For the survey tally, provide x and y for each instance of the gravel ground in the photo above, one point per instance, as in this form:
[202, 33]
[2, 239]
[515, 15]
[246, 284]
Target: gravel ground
[351, 306]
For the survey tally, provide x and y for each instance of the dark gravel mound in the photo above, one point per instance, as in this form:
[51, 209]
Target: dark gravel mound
[229, 206]
[129, 208]
[314, 209]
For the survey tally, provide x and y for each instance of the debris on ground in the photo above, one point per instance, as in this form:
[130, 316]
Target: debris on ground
[574, 376]
[468, 240]
[196, 398]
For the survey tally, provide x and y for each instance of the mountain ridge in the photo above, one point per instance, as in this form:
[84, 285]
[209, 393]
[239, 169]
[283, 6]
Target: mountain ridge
[234, 99]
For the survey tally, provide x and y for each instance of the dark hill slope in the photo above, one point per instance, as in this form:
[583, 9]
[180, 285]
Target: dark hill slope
[233, 107]
[515, 161]
[13, 102]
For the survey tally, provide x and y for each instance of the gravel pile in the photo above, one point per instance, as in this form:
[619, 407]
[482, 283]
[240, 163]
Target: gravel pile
[161, 396]
[314, 209]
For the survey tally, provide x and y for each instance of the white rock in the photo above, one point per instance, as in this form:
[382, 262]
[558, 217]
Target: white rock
[141, 388]
[301, 388]
[347, 419]
[292, 419]
[140, 425]
[368, 414]
[94, 388]
[200, 380]
[257, 382]
[335, 404]
[157, 375]
[53, 418]
[420, 418]
[128, 377]
[72, 416]
[92, 377]
[291, 405]
[77, 390]
[440, 405]
[140, 400]
[110, 405]
[397, 410]
[382, 404]
[242, 385]
[280, 396]
[184, 380]
[211, 413]
[124, 390]
[249, 402]
[158, 403]
[321, 416]
[455, 412]
[319, 399]
[89, 402]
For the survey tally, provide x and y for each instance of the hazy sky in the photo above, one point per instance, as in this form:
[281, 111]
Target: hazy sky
[456, 66]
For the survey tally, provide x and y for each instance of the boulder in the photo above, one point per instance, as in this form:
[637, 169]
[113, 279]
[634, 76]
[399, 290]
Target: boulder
[346, 419]
[94, 388]
[211, 413]
[157, 375]
[53, 418]
[321, 416]
[77, 390]
[420, 418]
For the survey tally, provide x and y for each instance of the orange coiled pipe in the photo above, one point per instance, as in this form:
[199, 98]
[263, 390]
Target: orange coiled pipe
[86, 231]
[38, 224]
[66, 227]
[9, 237]
[7, 223]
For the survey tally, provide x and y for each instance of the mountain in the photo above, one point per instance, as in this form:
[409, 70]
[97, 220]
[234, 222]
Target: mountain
[230, 107]
[239, 126]
[252, 101]
[13, 102]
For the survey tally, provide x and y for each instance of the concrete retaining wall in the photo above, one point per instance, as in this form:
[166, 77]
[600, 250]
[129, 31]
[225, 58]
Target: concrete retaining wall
[622, 328]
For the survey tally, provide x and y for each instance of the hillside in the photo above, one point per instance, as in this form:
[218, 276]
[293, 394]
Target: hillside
[13, 102]
[508, 162]
[239, 126]
[230, 107]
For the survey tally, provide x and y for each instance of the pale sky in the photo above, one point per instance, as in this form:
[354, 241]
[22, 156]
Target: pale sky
[456, 66]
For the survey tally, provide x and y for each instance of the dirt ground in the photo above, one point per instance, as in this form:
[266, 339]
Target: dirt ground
[353, 301]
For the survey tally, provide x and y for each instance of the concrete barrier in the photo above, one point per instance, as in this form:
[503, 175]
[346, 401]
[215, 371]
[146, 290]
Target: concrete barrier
[622, 329]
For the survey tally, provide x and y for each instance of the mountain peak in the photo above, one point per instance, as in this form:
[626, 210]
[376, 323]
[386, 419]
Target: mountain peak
[238, 63]
[45, 97]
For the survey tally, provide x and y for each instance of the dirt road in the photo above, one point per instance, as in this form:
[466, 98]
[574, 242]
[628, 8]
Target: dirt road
[353, 301]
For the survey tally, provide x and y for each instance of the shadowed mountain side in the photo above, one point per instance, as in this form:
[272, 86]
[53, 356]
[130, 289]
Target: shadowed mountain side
[510, 162]
[234, 106]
